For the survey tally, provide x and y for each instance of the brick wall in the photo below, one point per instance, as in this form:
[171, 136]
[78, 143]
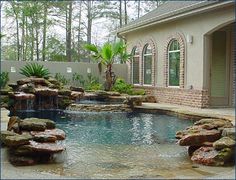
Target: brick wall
[180, 96]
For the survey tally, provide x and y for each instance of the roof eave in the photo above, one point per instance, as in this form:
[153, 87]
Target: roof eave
[172, 17]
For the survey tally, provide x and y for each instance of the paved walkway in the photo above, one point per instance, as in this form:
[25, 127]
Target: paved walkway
[225, 113]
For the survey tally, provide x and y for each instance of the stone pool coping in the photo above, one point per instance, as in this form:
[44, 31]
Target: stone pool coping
[188, 112]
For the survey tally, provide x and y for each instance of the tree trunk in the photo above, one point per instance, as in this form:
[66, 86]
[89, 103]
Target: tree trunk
[79, 30]
[120, 12]
[32, 43]
[17, 31]
[90, 21]
[89, 31]
[138, 8]
[23, 38]
[37, 42]
[68, 41]
[44, 30]
[126, 16]
[110, 78]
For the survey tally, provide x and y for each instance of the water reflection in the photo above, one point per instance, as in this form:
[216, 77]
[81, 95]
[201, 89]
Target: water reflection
[136, 130]
[147, 131]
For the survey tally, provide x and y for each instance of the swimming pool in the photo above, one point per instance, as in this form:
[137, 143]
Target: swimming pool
[117, 145]
[114, 128]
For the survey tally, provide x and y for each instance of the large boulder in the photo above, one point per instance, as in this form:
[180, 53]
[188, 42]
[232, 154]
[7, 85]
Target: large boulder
[4, 92]
[211, 156]
[188, 130]
[214, 123]
[64, 101]
[37, 80]
[32, 126]
[21, 96]
[45, 91]
[64, 92]
[113, 93]
[14, 86]
[133, 101]
[23, 81]
[58, 133]
[27, 88]
[198, 138]
[12, 121]
[17, 140]
[22, 160]
[229, 132]
[5, 134]
[44, 138]
[149, 99]
[76, 95]
[224, 142]
[77, 89]
[34, 148]
[49, 123]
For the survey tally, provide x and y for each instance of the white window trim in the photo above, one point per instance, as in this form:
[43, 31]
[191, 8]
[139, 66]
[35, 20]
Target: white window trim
[169, 71]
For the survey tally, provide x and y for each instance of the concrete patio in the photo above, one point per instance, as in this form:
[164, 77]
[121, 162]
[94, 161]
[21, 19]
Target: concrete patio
[224, 113]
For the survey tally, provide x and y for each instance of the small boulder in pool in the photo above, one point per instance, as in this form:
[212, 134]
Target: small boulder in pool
[36, 148]
[34, 142]
[58, 133]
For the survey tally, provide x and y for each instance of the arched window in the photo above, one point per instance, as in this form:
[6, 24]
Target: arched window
[147, 65]
[174, 63]
[135, 65]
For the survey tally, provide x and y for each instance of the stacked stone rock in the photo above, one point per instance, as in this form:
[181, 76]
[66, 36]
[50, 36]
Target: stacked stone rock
[210, 141]
[120, 103]
[32, 140]
[40, 93]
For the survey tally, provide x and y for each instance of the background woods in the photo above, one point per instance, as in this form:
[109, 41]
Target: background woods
[58, 30]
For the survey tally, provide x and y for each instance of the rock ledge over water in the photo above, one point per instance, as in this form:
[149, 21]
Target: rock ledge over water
[32, 140]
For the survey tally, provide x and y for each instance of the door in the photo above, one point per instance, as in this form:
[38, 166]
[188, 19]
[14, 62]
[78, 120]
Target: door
[220, 72]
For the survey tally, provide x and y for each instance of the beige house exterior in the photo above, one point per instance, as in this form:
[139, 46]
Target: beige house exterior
[184, 53]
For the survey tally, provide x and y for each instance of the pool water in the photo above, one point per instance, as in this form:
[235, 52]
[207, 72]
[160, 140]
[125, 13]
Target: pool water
[114, 128]
[116, 146]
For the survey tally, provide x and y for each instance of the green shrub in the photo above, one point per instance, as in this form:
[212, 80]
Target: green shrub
[78, 79]
[138, 92]
[61, 78]
[122, 87]
[34, 69]
[94, 86]
[4, 78]
[92, 83]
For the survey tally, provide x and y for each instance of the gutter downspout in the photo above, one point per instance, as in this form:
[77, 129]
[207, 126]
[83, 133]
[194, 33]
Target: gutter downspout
[122, 37]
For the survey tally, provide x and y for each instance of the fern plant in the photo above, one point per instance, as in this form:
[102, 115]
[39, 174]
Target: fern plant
[4, 78]
[34, 69]
[62, 79]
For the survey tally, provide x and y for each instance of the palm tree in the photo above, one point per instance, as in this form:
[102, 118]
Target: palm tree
[106, 55]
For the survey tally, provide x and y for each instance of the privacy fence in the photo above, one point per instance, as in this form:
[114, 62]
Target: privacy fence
[66, 69]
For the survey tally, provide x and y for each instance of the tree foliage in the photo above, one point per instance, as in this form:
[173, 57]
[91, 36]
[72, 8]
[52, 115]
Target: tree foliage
[57, 30]
[106, 55]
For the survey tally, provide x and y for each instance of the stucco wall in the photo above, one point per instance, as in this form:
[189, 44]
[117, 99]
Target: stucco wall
[196, 26]
[61, 67]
